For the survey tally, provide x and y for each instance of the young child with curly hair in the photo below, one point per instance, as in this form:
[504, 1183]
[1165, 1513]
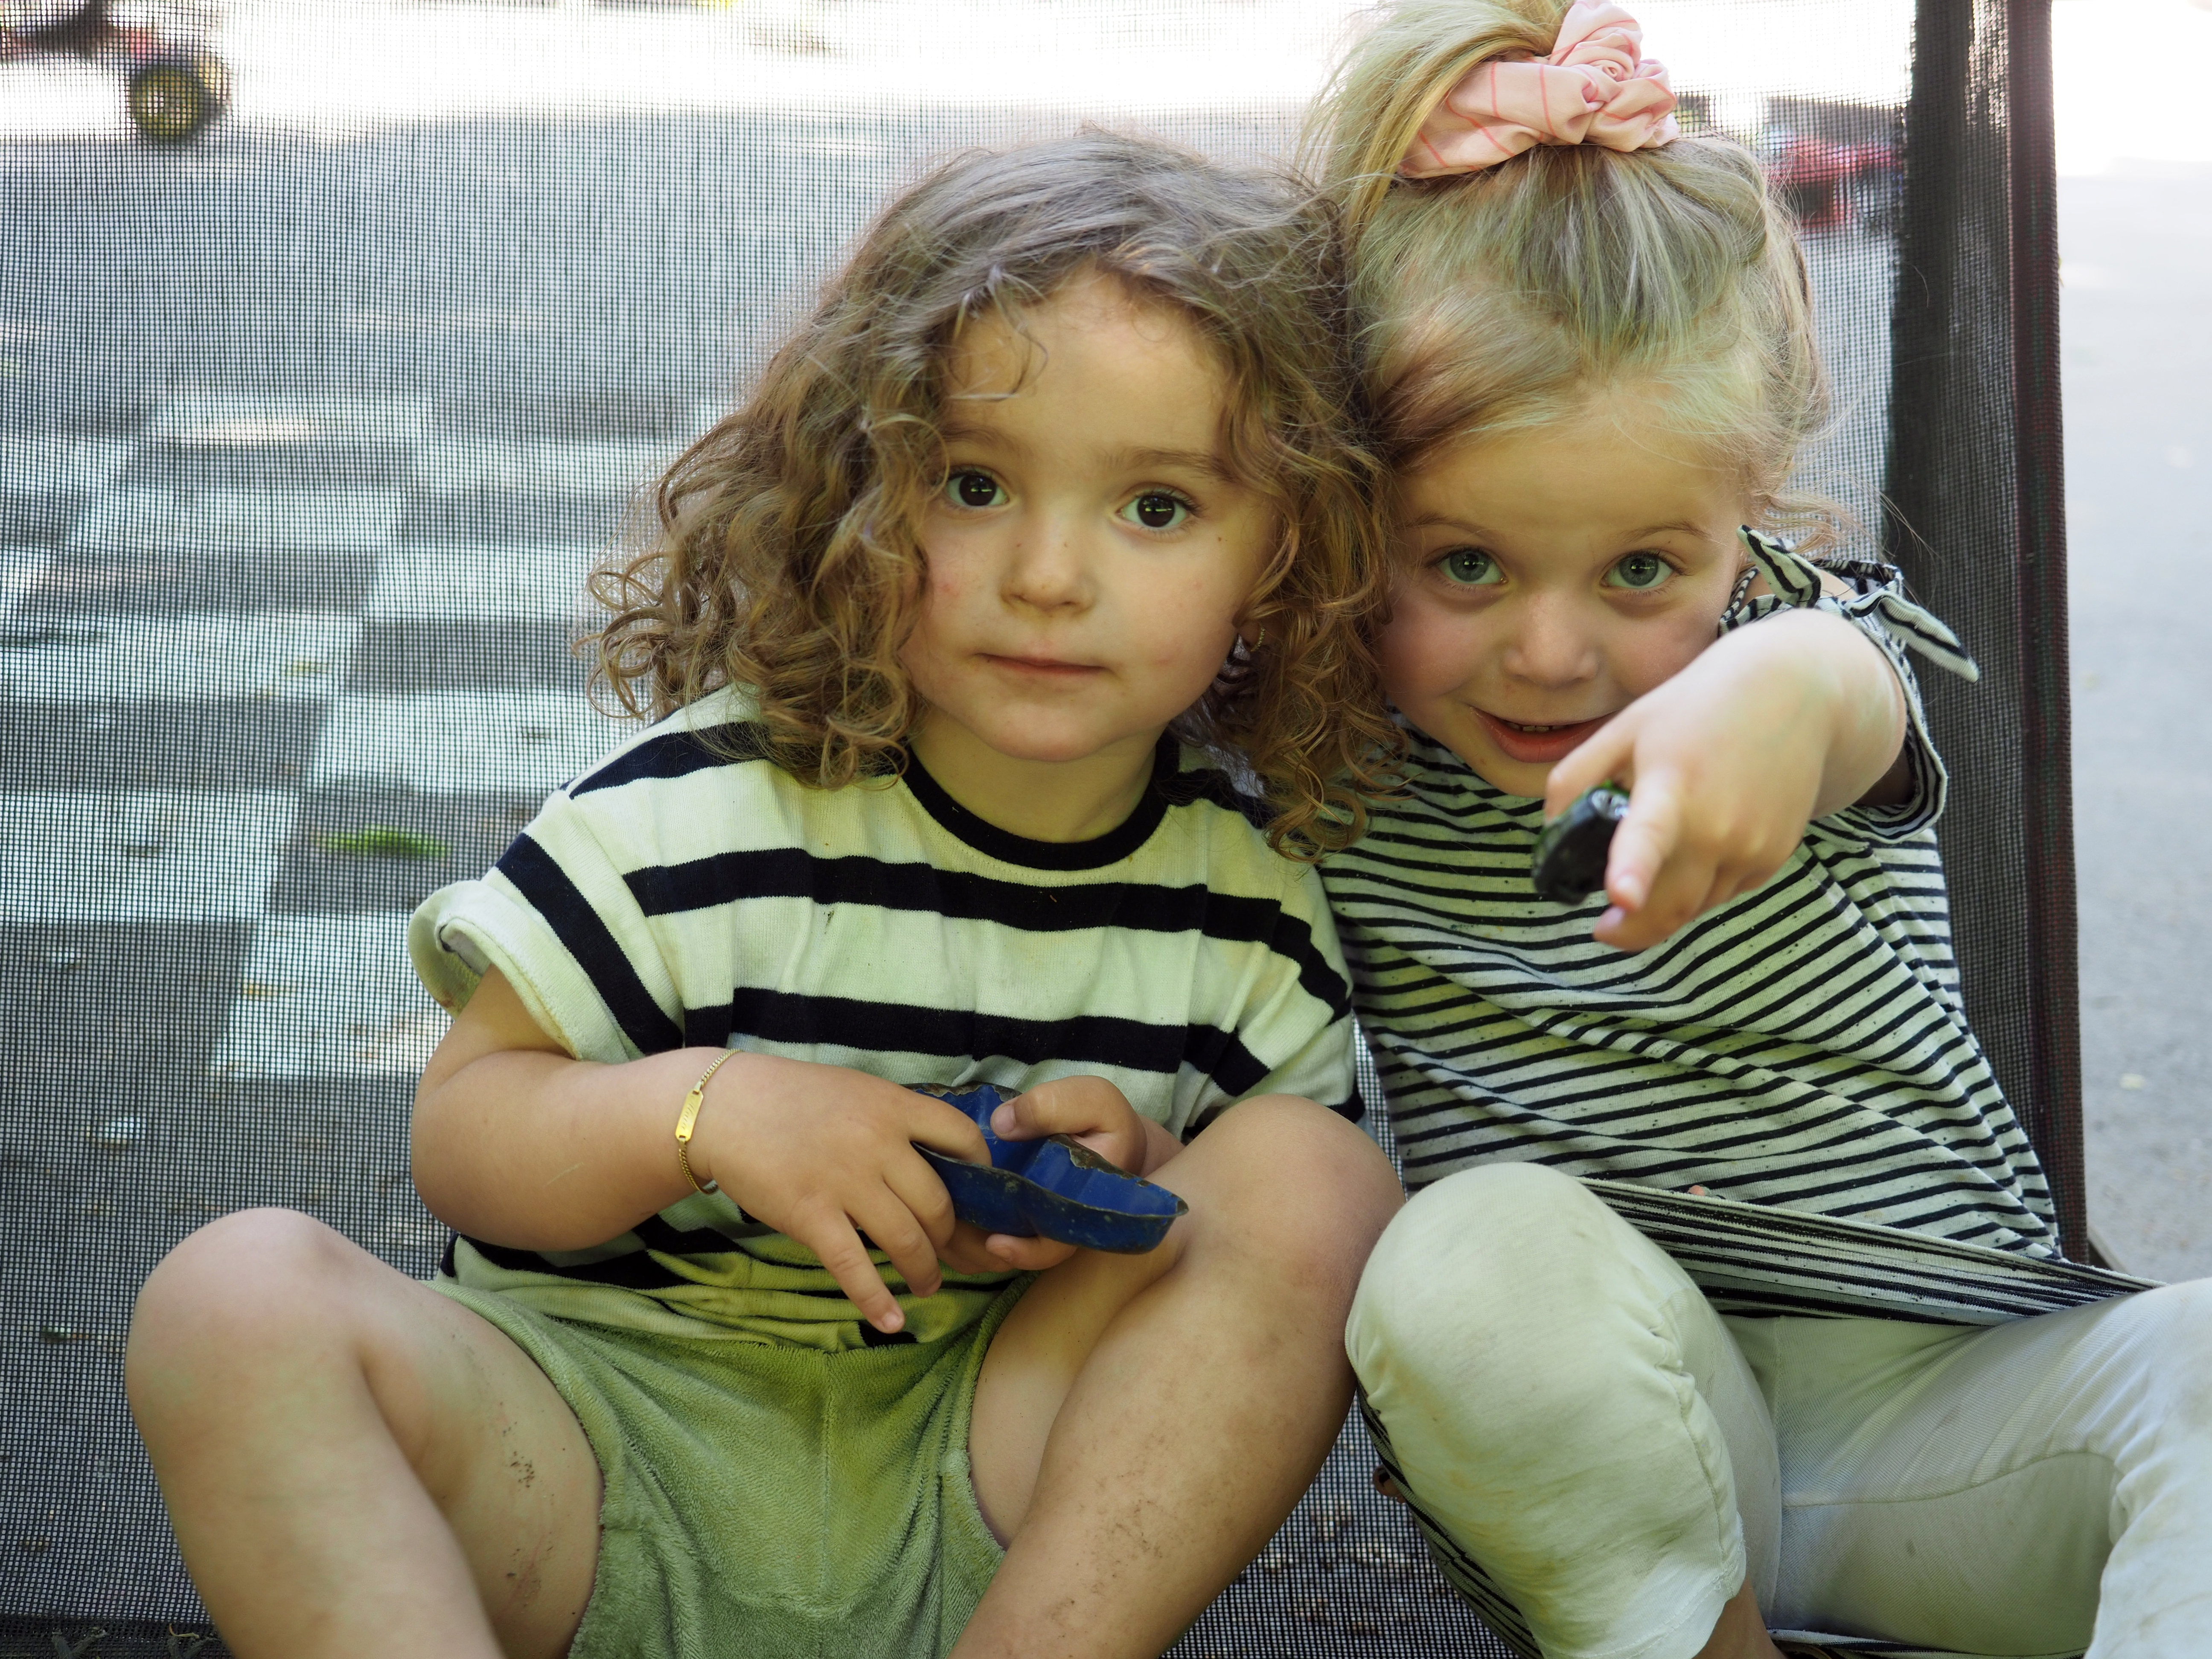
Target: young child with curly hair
[1729, 1291]
[948, 635]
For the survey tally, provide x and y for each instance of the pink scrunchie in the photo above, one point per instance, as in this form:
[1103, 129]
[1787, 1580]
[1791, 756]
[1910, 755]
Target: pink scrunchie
[1594, 89]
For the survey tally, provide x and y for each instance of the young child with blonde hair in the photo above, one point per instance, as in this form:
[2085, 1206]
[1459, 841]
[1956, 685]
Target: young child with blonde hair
[1834, 1399]
[948, 636]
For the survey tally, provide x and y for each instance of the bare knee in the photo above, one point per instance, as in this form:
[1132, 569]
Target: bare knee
[233, 1300]
[1298, 1186]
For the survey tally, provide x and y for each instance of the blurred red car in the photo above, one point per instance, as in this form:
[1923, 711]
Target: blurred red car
[174, 86]
[1831, 186]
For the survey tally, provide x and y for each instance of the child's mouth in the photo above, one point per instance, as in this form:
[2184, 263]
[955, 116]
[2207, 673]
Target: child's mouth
[1042, 667]
[1534, 743]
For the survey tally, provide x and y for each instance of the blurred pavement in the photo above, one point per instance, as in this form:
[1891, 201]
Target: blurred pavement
[2137, 243]
[2136, 238]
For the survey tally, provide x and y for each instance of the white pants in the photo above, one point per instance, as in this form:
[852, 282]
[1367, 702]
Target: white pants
[1618, 1458]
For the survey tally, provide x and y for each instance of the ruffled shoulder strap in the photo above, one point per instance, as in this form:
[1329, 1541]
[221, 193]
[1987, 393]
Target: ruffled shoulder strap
[1796, 582]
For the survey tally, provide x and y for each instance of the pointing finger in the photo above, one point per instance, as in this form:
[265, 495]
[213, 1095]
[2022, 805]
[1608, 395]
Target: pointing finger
[1644, 841]
[1603, 756]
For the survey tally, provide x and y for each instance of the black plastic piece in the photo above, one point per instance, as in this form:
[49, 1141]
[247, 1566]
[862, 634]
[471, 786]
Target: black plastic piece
[1569, 862]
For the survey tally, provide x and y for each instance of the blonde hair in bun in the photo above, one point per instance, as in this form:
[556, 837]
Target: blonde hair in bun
[1669, 280]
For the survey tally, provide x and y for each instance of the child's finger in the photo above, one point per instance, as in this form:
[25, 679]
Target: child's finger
[943, 1128]
[1606, 755]
[1029, 1256]
[970, 1250]
[1065, 1106]
[920, 1188]
[1733, 880]
[892, 1228]
[1090, 1109]
[965, 1252]
[1646, 839]
[1684, 891]
[840, 1250]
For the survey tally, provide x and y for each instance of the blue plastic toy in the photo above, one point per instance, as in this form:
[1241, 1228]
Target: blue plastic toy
[1055, 1189]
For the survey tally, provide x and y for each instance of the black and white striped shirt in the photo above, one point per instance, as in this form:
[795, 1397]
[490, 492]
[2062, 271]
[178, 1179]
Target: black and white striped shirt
[691, 892]
[1803, 1046]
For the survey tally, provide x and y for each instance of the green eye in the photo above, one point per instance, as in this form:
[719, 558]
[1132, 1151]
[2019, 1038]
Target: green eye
[1469, 567]
[1639, 571]
[1157, 509]
[968, 488]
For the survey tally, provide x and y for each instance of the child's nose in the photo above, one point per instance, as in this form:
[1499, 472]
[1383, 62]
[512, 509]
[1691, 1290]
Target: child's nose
[1549, 645]
[1046, 569]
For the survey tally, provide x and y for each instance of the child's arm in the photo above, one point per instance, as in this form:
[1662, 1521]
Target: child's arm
[517, 1143]
[1773, 725]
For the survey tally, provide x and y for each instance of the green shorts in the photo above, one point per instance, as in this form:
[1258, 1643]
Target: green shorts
[767, 1500]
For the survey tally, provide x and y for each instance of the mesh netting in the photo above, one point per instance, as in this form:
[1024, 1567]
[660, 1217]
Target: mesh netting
[1977, 520]
[313, 421]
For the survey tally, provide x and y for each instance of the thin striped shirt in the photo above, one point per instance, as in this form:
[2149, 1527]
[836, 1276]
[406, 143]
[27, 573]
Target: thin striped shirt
[689, 891]
[1803, 1046]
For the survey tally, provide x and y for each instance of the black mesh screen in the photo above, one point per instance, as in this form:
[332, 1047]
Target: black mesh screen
[311, 421]
[1977, 520]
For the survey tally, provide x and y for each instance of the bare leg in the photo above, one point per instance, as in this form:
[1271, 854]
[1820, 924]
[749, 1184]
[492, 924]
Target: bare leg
[1739, 1633]
[1143, 1424]
[355, 1464]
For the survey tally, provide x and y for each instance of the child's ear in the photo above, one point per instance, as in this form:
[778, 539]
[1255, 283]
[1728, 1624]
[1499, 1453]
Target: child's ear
[1251, 633]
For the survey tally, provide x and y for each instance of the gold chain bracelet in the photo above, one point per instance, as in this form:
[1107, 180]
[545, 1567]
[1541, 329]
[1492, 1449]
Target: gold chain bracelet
[688, 1120]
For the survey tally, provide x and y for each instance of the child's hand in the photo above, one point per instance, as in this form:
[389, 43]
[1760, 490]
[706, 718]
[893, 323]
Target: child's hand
[822, 1154]
[1088, 1110]
[1772, 726]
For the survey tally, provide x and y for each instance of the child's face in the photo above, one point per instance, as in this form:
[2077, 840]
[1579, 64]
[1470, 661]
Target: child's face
[1091, 551]
[1547, 580]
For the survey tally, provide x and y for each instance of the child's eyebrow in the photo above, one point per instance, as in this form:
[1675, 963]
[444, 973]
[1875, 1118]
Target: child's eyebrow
[1189, 461]
[1120, 460]
[1441, 521]
[982, 437]
[1680, 529]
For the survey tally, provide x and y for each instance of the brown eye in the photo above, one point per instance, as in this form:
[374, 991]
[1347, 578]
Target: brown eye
[973, 489]
[1156, 509]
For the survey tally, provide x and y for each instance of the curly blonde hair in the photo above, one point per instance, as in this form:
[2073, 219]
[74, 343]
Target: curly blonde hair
[784, 557]
[1512, 298]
